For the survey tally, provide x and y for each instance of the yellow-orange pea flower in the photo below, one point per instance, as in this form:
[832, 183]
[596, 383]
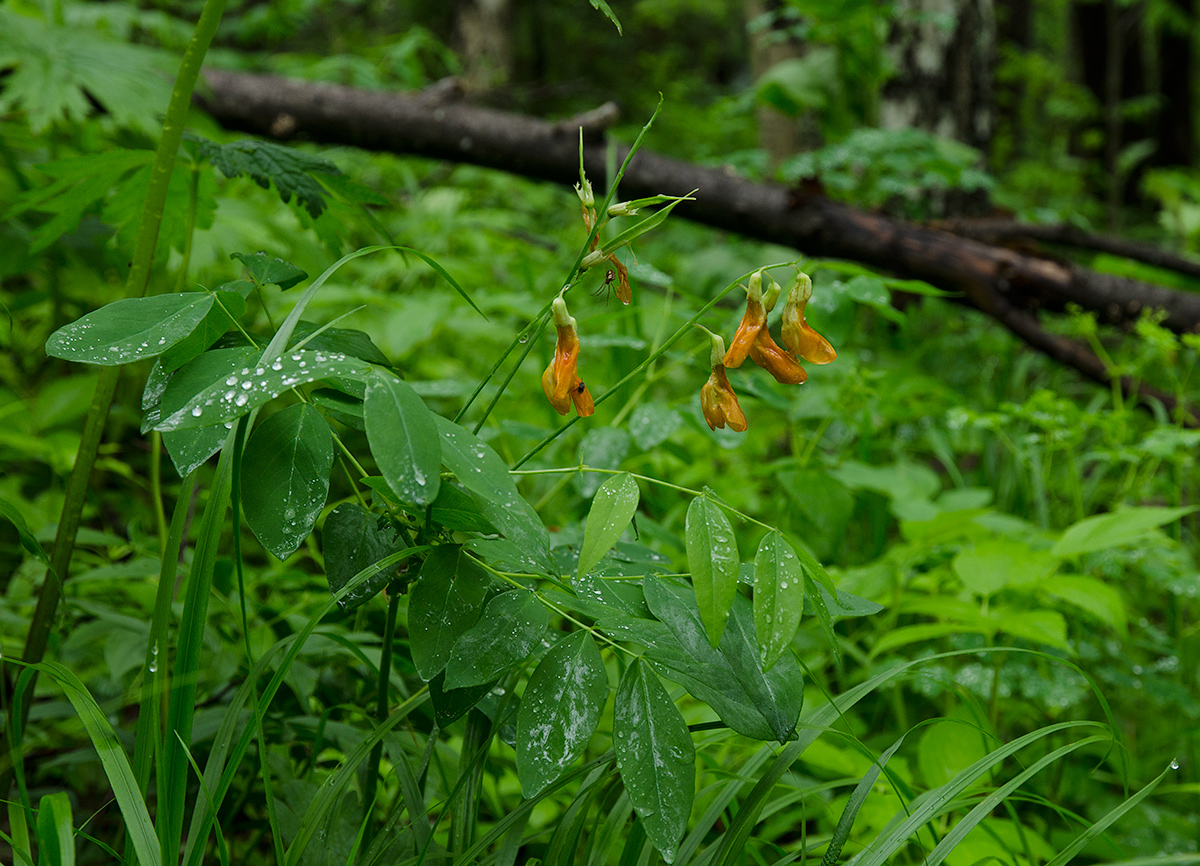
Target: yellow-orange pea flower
[560, 381]
[717, 399]
[799, 336]
[753, 321]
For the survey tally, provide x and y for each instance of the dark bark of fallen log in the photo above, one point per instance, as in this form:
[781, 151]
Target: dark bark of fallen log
[999, 281]
[995, 231]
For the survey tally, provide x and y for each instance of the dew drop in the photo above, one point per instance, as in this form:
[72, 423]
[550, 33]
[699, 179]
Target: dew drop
[241, 400]
[246, 386]
[232, 380]
[278, 365]
[1174, 764]
[197, 411]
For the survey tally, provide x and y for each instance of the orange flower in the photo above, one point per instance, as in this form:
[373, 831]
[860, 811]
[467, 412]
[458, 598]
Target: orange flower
[717, 399]
[798, 336]
[783, 366]
[753, 321]
[560, 381]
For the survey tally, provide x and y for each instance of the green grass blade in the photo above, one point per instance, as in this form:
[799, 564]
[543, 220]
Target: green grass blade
[112, 758]
[1077, 844]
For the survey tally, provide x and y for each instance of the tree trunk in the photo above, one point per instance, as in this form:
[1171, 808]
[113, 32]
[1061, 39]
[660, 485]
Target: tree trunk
[944, 56]
[779, 135]
[1176, 115]
[483, 32]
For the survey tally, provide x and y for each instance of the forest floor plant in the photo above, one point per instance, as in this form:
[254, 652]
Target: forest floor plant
[513, 644]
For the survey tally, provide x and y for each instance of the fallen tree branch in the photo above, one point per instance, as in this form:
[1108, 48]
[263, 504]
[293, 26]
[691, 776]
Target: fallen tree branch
[998, 281]
[995, 231]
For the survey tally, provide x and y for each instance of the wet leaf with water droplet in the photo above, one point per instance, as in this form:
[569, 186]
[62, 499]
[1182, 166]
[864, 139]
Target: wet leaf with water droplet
[713, 560]
[612, 509]
[130, 329]
[655, 756]
[403, 439]
[285, 477]
[559, 711]
[446, 600]
[352, 539]
[778, 596]
[511, 627]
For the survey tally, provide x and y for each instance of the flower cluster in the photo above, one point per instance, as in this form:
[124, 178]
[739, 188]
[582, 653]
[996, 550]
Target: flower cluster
[753, 340]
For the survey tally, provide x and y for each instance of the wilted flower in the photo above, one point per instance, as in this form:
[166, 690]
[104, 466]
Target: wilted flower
[717, 399]
[798, 336]
[561, 382]
[753, 321]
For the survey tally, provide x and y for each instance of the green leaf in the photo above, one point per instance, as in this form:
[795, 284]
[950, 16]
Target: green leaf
[614, 506]
[267, 163]
[268, 270]
[511, 627]
[712, 556]
[760, 704]
[778, 596]
[227, 308]
[55, 831]
[948, 747]
[351, 539]
[28, 540]
[601, 448]
[446, 600]
[285, 477]
[189, 448]
[342, 408]
[450, 705]
[243, 391]
[348, 341]
[655, 756]
[455, 509]
[652, 424]
[608, 13]
[403, 438]
[1094, 596]
[993, 564]
[640, 228]
[131, 329]
[1047, 627]
[1110, 530]
[481, 471]
[559, 711]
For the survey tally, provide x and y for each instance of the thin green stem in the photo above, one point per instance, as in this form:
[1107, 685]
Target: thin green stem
[381, 708]
[156, 493]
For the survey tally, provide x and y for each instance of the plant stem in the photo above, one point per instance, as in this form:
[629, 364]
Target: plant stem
[135, 286]
[381, 707]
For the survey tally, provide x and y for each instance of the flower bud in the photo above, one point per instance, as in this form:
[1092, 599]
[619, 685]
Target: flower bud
[621, 209]
[584, 191]
[560, 381]
[718, 401]
[592, 259]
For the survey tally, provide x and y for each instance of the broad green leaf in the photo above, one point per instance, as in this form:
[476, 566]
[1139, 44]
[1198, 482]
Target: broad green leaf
[454, 508]
[446, 600]
[614, 506]
[948, 747]
[243, 391]
[655, 755]
[340, 407]
[348, 341]
[1047, 627]
[993, 564]
[55, 831]
[403, 439]
[1097, 598]
[285, 477]
[481, 471]
[226, 309]
[130, 330]
[760, 704]
[511, 627]
[559, 711]
[450, 705]
[601, 448]
[652, 424]
[778, 596]
[712, 556]
[190, 448]
[351, 539]
[1110, 530]
[267, 270]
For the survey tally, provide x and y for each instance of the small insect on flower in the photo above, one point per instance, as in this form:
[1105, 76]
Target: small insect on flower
[717, 398]
[560, 381]
[799, 336]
